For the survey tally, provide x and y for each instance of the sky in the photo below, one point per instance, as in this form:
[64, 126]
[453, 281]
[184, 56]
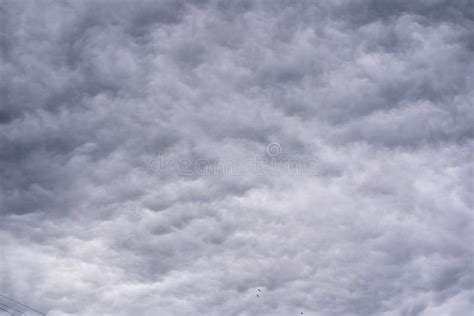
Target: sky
[180, 157]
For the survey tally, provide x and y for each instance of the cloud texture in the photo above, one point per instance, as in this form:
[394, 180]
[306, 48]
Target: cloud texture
[380, 93]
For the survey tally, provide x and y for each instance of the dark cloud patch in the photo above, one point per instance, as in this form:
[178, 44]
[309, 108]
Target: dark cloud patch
[5, 117]
[363, 12]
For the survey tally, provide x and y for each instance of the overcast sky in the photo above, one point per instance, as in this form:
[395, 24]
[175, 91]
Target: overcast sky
[97, 95]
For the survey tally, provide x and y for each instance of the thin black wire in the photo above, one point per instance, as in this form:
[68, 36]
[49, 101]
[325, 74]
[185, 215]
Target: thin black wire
[16, 310]
[6, 311]
[23, 305]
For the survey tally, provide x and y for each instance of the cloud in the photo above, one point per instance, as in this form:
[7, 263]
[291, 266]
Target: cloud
[378, 92]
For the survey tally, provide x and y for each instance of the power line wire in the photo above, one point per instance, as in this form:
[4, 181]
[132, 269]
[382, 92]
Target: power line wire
[6, 311]
[31, 308]
[9, 307]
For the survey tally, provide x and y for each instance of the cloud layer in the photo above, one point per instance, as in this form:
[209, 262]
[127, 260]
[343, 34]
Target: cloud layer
[380, 93]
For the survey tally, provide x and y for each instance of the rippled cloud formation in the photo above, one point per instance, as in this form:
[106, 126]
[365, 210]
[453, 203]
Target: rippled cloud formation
[377, 95]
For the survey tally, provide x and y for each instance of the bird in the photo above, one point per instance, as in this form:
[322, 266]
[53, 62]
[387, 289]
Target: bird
[302, 313]
[258, 295]
[259, 290]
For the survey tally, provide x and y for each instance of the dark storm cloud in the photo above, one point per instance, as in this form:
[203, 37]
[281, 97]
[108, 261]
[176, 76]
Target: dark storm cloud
[380, 93]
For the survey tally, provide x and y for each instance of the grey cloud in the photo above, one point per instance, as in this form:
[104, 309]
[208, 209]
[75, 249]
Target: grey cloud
[380, 93]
